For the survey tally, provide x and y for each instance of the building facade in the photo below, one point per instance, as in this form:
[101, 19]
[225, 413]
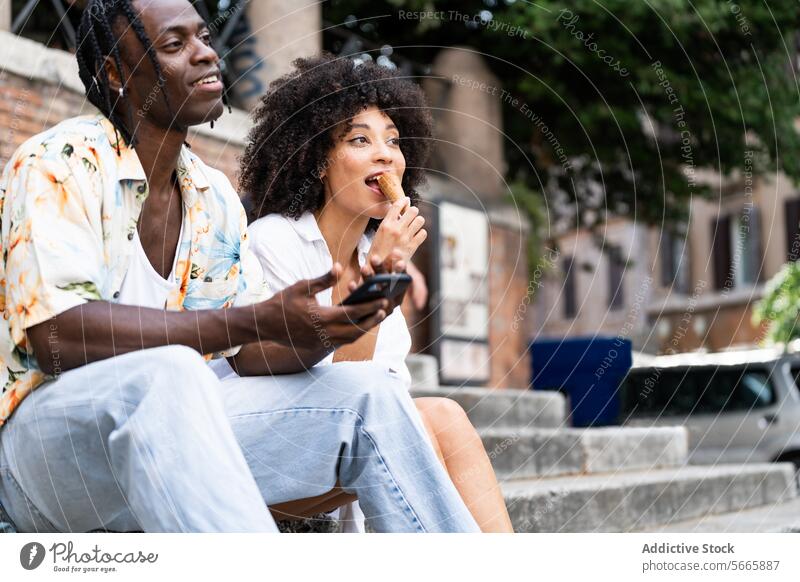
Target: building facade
[683, 289]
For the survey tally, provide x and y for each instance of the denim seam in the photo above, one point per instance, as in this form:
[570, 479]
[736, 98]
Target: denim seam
[385, 467]
[362, 428]
[27, 500]
[167, 493]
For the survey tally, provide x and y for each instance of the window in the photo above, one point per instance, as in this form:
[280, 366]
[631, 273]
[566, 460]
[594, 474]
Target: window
[616, 271]
[570, 292]
[674, 252]
[736, 249]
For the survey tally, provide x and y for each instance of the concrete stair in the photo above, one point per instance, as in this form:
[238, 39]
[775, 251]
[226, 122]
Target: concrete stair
[529, 453]
[561, 479]
[637, 500]
[513, 409]
[781, 518]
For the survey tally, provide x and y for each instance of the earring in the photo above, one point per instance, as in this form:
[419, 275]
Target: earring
[121, 92]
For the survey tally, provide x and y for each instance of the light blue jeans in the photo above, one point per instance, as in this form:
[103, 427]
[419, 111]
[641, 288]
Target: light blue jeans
[154, 441]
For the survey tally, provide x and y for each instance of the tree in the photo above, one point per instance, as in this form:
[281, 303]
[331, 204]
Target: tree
[637, 96]
[779, 309]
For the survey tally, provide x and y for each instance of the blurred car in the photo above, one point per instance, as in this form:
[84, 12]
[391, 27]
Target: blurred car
[738, 406]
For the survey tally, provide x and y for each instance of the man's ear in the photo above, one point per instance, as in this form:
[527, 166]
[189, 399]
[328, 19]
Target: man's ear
[112, 72]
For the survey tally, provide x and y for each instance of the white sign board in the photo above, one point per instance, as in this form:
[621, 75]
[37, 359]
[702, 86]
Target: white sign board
[463, 293]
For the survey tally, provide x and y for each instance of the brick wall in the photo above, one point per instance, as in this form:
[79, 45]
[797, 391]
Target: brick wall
[508, 309]
[728, 326]
[28, 107]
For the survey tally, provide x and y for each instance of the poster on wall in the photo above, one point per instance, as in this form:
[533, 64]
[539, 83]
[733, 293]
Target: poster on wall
[462, 316]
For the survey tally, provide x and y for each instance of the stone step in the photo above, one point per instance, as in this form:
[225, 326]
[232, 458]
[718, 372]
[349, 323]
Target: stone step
[638, 500]
[527, 453]
[505, 408]
[777, 518]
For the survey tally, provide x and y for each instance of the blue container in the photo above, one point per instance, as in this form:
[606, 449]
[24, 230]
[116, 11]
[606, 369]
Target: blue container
[588, 370]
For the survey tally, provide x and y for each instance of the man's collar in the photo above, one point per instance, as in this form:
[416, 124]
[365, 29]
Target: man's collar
[130, 168]
[128, 165]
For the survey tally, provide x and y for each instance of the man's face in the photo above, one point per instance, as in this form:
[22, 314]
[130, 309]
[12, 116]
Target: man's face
[190, 66]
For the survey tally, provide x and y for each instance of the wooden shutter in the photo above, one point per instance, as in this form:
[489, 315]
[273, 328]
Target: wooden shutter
[616, 271]
[792, 216]
[754, 264]
[570, 294]
[668, 269]
[721, 251]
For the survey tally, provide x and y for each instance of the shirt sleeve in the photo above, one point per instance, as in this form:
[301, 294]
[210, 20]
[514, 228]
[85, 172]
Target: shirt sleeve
[52, 232]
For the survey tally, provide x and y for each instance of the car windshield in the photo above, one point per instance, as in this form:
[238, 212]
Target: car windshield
[681, 392]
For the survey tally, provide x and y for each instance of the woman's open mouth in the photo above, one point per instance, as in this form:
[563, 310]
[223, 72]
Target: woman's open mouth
[372, 183]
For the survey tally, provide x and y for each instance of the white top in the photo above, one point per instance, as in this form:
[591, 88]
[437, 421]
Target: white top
[291, 250]
[142, 285]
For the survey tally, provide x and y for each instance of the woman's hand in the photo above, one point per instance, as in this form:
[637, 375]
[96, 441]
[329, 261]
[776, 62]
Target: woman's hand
[398, 237]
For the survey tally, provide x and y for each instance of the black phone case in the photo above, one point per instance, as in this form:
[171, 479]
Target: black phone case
[379, 287]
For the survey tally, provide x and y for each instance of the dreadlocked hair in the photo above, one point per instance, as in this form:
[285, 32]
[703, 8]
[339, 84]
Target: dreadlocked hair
[96, 42]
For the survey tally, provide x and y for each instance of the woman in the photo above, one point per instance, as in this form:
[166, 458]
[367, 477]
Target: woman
[322, 135]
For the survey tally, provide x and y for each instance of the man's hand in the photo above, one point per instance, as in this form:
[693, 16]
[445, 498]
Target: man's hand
[297, 320]
[375, 266]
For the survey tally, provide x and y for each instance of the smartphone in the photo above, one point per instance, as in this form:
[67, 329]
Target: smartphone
[383, 286]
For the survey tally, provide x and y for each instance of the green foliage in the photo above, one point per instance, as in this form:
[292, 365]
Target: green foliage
[531, 204]
[713, 78]
[780, 307]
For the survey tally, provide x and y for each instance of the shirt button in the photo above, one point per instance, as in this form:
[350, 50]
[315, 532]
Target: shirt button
[142, 188]
[207, 279]
[116, 295]
[130, 236]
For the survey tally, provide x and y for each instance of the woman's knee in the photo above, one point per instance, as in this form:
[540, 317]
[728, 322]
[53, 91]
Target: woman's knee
[442, 413]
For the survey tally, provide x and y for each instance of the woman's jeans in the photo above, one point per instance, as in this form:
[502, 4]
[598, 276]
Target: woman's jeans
[154, 441]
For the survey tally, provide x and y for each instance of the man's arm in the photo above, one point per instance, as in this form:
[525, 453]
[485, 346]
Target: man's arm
[271, 358]
[99, 329]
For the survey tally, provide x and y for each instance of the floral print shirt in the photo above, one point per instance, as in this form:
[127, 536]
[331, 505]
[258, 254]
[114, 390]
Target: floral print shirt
[70, 199]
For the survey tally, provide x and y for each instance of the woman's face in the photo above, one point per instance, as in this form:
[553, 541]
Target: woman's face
[370, 147]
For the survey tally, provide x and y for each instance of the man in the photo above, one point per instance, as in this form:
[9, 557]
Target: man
[112, 418]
